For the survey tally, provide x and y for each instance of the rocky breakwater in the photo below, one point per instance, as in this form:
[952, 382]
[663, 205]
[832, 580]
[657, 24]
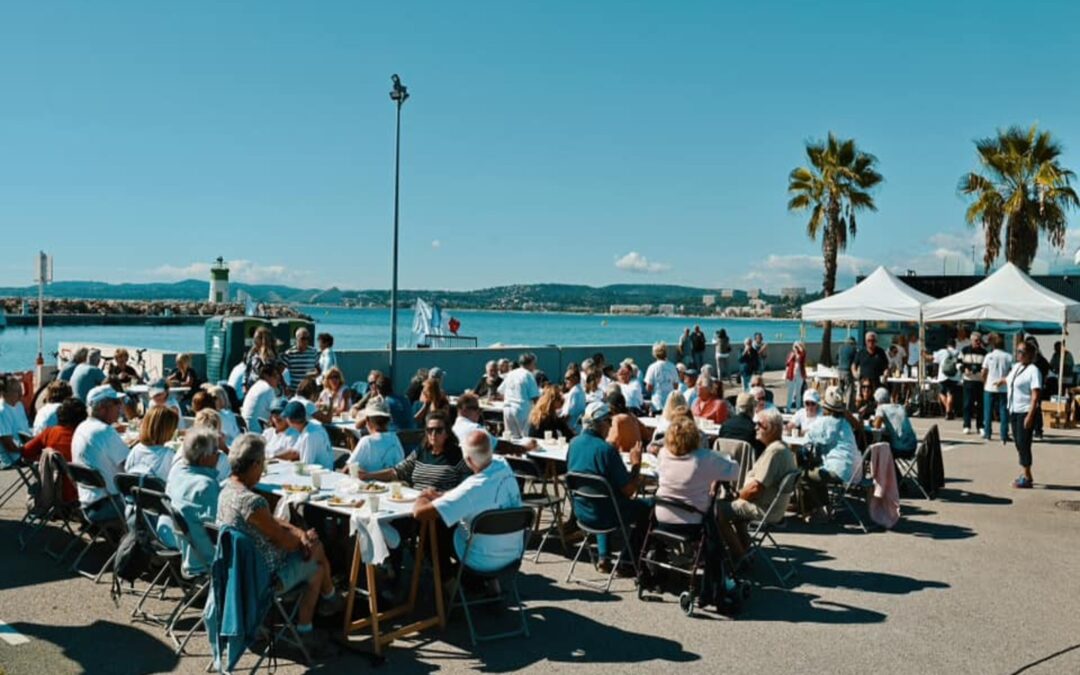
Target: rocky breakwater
[133, 311]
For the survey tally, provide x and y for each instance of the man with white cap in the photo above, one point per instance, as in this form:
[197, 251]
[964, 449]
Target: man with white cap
[96, 444]
[590, 453]
[379, 449]
[312, 444]
[519, 390]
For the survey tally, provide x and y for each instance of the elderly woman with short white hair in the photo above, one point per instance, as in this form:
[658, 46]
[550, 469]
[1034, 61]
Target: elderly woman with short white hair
[193, 488]
[295, 557]
[230, 427]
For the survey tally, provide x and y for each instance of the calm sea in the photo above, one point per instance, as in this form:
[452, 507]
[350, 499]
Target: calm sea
[369, 329]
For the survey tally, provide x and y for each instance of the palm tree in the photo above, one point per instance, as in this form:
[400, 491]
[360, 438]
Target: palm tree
[1024, 187]
[833, 188]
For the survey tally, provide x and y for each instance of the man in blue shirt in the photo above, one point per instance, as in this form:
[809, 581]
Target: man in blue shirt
[193, 489]
[590, 453]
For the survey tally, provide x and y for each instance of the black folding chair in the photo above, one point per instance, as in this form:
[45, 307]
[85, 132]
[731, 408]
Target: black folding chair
[841, 494]
[125, 482]
[595, 490]
[534, 493]
[154, 505]
[195, 586]
[341, 456]
[760, 533]
[107, 531]
[27, 477]
[907, 464]
[495, 522]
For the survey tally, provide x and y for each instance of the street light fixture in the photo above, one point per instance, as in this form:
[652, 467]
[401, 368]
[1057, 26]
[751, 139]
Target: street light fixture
[398, 95]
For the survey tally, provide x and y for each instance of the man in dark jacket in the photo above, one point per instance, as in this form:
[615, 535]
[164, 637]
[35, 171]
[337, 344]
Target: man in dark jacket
[740, 426]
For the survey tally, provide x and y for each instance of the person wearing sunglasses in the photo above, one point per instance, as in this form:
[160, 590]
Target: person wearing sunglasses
[809, 414]
[1024, 390]
[437, 464]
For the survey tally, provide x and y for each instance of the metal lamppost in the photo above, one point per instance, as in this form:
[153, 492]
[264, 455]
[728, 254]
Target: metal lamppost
[398, 95]
[44, 276]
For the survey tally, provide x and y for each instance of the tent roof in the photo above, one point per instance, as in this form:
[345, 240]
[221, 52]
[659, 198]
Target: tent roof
[1006, 295]
[882, 296]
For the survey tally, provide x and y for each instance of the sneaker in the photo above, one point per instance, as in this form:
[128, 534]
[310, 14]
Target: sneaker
[967, 431]
[335, 604]
[604, 566]
[1022, 483]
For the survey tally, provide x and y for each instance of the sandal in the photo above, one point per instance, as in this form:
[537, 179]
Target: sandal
[1022, 482]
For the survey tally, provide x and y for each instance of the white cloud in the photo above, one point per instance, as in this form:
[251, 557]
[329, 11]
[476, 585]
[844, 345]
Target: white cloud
[805, 270]
[435, 243]
[639, 264]
[245, 271]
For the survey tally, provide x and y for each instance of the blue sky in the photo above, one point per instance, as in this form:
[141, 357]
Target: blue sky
[544, 141]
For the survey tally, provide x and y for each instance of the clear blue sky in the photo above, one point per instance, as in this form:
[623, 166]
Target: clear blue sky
[543, 141]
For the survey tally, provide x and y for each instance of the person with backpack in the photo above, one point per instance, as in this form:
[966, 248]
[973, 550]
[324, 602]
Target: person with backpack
[948, 362]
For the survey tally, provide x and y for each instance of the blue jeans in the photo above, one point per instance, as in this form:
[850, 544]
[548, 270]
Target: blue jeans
[635, 513]
[995, 400]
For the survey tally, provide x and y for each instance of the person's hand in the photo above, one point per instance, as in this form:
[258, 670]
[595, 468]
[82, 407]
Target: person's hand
[530, 444]
[1029, 420]
[311, 537]
[635, 454]
[361, 475]
[430, 494]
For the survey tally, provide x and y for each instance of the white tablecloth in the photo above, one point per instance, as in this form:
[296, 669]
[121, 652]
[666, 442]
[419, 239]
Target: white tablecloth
[555, 451]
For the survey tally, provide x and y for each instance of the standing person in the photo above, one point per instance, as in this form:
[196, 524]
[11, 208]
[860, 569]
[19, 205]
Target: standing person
[762, 349]
[698, 342]
[1024, 387]
[1053, 378]
[520, 391]
[262, 352]
[685, 347]
[301, 360]
[87, 375]
[748, 363]
[871, 363]
[327, 357]
[845, 362]
[948, 362]
[661, 377]
[971, 366]
[914, 353]
[795, 375]
[723, 353]
[995, 371]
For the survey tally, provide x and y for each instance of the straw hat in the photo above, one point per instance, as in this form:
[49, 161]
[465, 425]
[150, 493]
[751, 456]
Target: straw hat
[834, 400]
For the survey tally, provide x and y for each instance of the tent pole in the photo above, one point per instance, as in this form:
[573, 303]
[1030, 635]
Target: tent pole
[922, 366]
[1061, 355]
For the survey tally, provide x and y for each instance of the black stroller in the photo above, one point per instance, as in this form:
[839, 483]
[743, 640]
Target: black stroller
[696, 552]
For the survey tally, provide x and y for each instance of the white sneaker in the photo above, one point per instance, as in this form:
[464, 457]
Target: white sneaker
[967, 431]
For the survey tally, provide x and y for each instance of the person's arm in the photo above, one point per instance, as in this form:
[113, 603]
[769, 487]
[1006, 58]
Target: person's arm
[281, 534]
[630, 488]
[424, 509]
[751, 491]
[32, 449]
[1029, 419]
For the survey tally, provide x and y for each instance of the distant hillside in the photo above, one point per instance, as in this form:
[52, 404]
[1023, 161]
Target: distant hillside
[542, 297]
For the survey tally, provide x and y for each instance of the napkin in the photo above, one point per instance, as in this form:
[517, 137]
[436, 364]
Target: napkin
[375, 538]
[283, 511]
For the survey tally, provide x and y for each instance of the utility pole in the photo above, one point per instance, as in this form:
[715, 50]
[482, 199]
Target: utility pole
[398, 95]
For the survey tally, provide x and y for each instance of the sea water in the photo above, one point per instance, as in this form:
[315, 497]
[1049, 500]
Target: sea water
[370, 329]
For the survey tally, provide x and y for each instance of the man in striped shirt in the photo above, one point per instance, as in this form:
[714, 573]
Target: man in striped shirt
[301, 360]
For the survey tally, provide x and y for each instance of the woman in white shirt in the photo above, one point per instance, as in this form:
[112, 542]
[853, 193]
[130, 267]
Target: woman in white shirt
[151, 456]
[379, 449]
[1024, 386]
[55, 393]
[279, 436]
[230, 427]
[327, 358]
[573, 399]
[335, 397]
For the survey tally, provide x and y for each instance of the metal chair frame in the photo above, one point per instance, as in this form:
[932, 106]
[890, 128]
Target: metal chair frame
[104, 532]
[761, 534]
[596, 488]
[534, 493]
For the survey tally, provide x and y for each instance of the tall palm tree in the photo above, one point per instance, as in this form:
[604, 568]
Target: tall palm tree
[835, 186]
[1024, 188]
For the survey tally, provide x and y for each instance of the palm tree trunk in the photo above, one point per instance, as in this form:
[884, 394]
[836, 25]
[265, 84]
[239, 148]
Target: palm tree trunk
[828, 245]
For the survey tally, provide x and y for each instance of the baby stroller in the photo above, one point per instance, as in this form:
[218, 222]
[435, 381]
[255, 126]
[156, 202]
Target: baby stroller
[696, 552]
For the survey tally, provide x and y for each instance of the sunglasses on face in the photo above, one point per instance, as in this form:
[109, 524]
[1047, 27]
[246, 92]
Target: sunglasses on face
[432, 431]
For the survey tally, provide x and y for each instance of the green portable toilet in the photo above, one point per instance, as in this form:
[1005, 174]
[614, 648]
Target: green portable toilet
[228, 339]
[285, 329]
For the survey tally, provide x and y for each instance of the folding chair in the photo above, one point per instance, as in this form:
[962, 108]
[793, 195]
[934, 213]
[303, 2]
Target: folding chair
[107, 532]
[840, 494]
[33, 522]
[28, 478]
[154, 505]
[534, 493]
[594, 489]
[740, 451]
[907, 464]
[341, 456]
[194, 586]
[494, 523]
[688, 544]
[761, 534]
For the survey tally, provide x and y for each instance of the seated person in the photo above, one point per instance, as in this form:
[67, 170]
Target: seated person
[834, 439]
[893, 418]
[573, 399]
[293, 556]
[688, 474]
[121, 370]
[864, 400]
[183, 375]
[10, 420]
[469, 418]
[761, 399]
[159, 396]
[312, 443]
[491, 485]
[379, 449]
[150, 455]
[758, 380]
[88, 375]
[710, 403]
[335, 397]
[740, 426]
[279, 436]
[432, 398]
[627, 431]
[437, 463]
[590, 453]
[56, 393]
[306, 393]
[208, 418]
[488, 386]
[674, 406]
[401, 418]
[808, 414]
[192, 487]
[544, 416]
[230, 427]
[630, 386]
[761, 486]
[260, 397]
[69, 416]
[97, 445]
[688, 385]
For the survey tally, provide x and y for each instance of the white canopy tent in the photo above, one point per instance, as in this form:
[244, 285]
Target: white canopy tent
[1008, 295]
[882, 296]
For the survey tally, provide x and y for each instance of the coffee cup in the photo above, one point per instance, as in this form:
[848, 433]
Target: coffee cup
[373, 503]
[354, 471]
[395, 489]
[548, 435]
[316, 480]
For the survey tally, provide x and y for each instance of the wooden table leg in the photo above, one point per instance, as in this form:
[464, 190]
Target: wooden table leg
[440, 610]
[354, 571]
[373, 606]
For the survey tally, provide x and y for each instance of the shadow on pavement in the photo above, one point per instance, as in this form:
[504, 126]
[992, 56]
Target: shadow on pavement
[921, 528]
[30, 567]
[777, 604]
[95, 647]
[870, 582]
[960, 496]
